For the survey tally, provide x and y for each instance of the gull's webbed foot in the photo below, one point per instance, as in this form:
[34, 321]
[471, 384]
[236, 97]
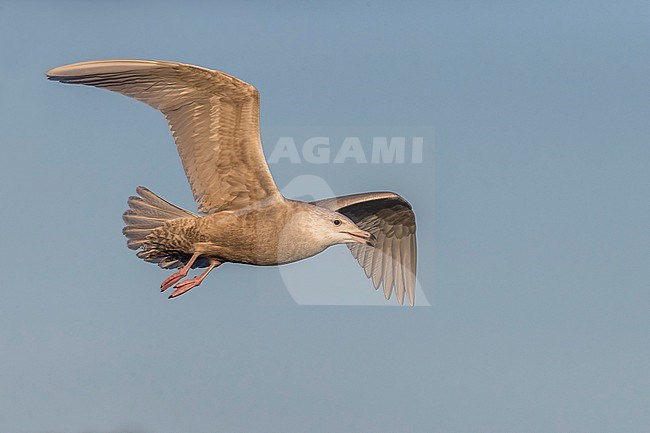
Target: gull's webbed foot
[190, 283]
[172, 279]
[182, 273]
[185, 286]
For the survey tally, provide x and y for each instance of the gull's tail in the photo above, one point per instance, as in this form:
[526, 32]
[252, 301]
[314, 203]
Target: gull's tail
[146, 213]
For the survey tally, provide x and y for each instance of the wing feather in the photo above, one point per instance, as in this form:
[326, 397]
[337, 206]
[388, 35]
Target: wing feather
[391, 263]
[377, 268]
[213, 117]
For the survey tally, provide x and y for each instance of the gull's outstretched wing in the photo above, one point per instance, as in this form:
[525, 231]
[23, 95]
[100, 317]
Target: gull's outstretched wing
[392, 262]
[214, 119]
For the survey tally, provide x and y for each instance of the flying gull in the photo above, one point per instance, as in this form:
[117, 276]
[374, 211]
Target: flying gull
[242, 217]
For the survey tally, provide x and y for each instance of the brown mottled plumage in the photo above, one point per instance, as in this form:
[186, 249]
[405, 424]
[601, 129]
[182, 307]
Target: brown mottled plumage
[243, 218]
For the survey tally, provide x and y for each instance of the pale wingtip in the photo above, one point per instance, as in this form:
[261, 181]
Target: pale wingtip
[61, 71]
[50, 74]
[100, 67]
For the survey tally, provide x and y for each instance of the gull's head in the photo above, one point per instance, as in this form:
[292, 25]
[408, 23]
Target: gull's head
[331, 228]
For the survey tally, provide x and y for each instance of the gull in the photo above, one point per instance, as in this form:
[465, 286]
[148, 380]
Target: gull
[242, 216]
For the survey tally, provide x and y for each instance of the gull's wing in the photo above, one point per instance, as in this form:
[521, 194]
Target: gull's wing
[392, 262]
[214, 119]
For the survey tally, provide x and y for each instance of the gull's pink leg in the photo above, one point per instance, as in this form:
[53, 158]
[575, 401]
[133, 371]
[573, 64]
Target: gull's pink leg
[185, 286]
[182, 273]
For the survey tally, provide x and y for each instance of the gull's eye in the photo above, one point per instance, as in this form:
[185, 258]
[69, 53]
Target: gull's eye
[337, 222]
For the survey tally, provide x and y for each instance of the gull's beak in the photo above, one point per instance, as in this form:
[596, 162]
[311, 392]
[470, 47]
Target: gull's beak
[362, 237]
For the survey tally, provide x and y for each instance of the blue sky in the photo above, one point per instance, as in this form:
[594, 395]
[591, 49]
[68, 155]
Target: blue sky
[532, 205]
